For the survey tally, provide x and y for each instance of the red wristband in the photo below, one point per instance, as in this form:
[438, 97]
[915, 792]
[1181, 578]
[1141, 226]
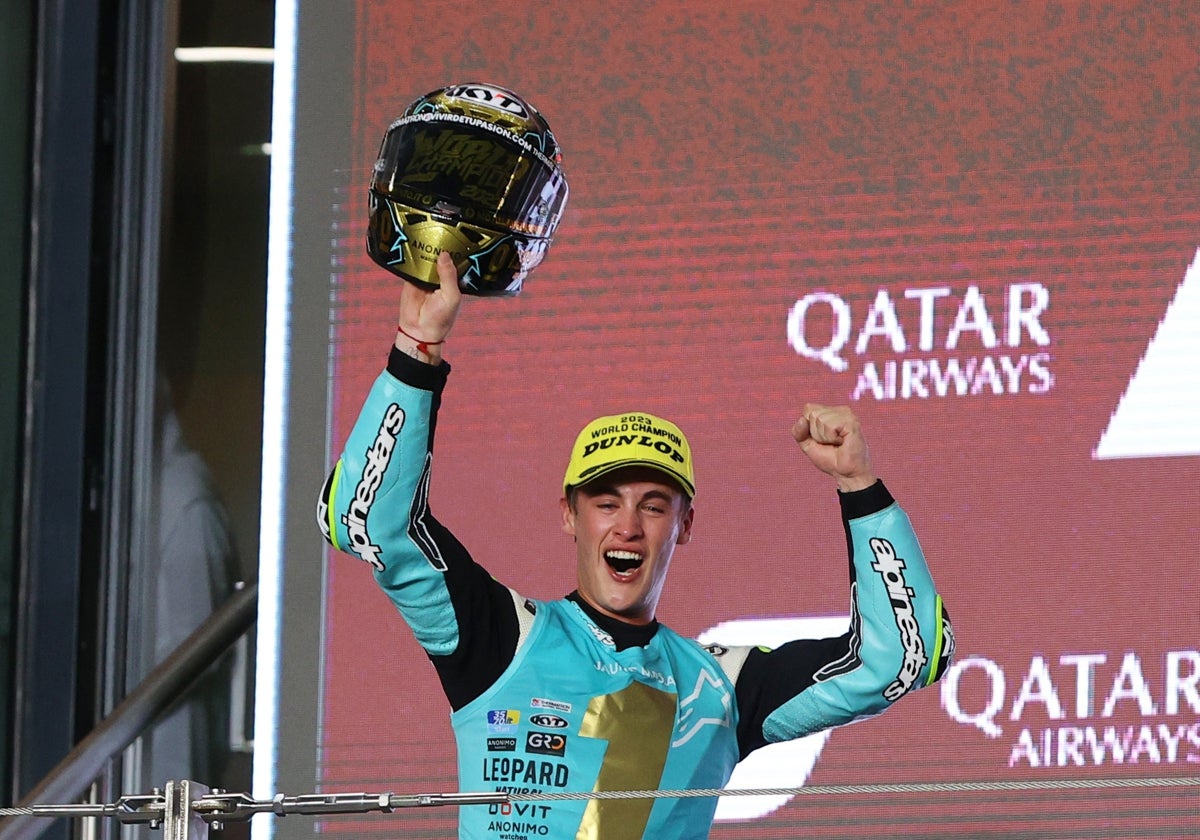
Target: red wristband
[423, 346]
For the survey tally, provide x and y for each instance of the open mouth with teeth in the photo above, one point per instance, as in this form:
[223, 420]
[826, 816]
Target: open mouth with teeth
[623, 564]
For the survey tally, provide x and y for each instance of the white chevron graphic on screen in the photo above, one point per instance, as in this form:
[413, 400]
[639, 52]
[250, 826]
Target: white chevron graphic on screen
[1159, 413]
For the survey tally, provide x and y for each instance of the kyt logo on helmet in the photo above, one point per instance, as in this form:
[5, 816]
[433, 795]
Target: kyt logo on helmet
[472, 169]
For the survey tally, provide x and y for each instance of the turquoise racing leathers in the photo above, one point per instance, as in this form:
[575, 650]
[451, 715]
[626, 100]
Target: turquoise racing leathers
[556, 697]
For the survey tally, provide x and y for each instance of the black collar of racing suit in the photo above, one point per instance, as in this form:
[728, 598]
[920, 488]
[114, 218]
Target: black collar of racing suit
[624, 634]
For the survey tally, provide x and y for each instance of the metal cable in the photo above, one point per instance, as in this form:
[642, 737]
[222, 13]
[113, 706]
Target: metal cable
[226, 806]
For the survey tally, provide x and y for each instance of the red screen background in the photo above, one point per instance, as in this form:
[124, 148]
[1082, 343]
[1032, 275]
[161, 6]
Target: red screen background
[728, 161]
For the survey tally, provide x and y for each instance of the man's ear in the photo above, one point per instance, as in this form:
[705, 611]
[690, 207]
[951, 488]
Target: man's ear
[568, 516]
[685, 531]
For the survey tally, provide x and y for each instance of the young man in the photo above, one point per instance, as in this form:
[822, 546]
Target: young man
[590, 692]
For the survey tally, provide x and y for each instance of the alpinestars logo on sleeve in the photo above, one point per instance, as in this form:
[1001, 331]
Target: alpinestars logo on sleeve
[891, 569]
[378, 456]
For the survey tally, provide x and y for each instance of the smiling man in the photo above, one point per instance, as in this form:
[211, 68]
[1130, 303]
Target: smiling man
[627, 502]
[590, 692]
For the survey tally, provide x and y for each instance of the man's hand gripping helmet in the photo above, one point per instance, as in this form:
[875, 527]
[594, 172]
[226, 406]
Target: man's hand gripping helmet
[470, 169]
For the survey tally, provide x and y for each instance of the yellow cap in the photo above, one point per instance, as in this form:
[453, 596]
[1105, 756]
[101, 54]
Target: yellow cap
[622, 440]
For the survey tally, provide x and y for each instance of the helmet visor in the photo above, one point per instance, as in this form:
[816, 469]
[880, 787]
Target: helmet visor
[468, 168]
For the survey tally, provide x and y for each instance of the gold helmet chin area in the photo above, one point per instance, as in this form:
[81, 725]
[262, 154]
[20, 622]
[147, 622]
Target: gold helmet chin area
[407, 241]
[473, 170]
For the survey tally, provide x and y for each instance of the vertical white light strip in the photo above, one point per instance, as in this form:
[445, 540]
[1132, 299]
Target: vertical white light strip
[275, 400]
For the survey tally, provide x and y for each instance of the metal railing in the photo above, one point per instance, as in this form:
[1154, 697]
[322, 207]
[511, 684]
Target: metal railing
[71, 777]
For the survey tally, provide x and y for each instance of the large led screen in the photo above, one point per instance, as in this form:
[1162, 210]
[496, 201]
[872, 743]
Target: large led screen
[974, 223]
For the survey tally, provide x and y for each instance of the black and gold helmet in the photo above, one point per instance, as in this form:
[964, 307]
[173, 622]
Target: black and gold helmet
[470, 169]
